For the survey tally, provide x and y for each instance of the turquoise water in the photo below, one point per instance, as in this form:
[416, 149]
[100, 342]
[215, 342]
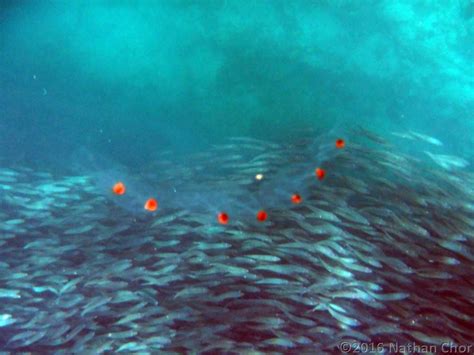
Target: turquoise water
[189, 102]
[128, 79]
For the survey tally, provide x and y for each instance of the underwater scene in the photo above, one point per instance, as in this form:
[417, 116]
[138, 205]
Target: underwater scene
[236, 177]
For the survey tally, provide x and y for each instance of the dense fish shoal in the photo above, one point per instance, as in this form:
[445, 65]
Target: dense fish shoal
[381, 250]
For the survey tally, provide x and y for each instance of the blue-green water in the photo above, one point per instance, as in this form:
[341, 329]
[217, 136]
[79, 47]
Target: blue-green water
[128, 79]
[189, 102]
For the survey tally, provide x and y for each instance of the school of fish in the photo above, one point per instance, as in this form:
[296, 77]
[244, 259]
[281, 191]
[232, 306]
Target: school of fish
[380, 250]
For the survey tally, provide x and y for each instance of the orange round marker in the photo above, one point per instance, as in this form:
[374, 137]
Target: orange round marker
[320, 173]
[296, 198]
[223, 218]
[119, 188]
[261, 216]
[151, 205]
[340, 143]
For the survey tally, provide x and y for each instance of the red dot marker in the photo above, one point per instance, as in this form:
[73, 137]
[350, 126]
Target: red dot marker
[340, 143]
[119, 188]
[320, 173]
[151, 205]
[223, 218]
[296, 198]
[261, 216]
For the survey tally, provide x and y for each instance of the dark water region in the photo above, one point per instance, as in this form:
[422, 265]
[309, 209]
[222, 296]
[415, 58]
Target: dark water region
[188, 101]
